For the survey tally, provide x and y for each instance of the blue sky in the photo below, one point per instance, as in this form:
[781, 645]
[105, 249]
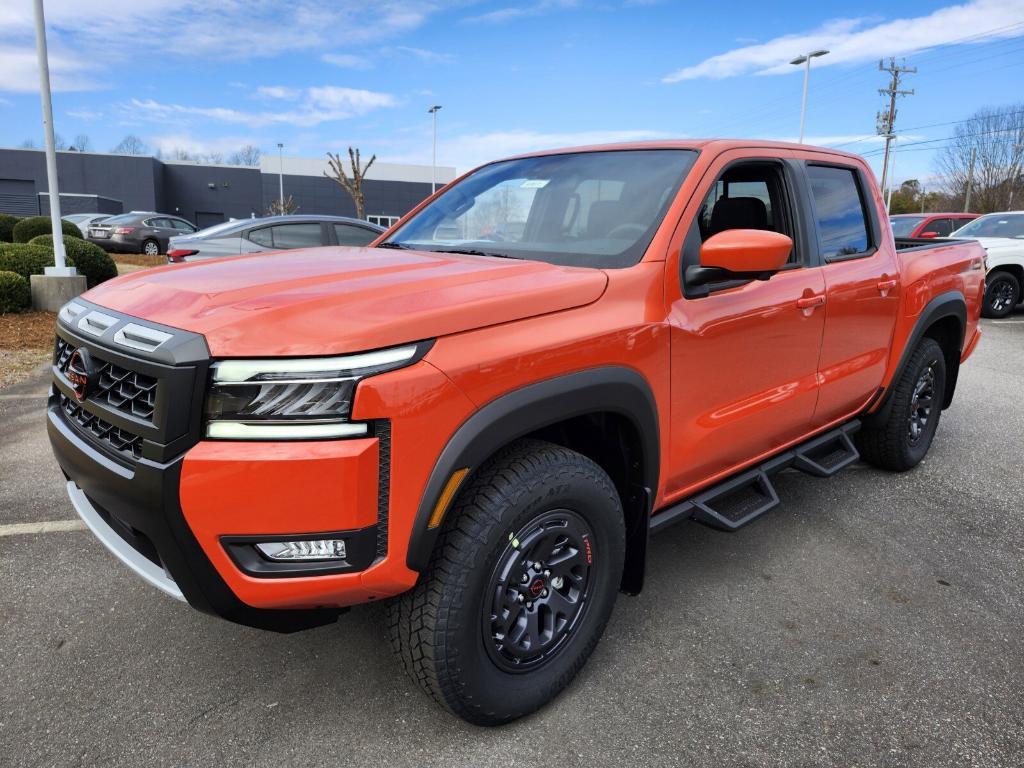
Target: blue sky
[318, 76]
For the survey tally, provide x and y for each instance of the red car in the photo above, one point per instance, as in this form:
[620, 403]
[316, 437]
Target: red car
[928, 224]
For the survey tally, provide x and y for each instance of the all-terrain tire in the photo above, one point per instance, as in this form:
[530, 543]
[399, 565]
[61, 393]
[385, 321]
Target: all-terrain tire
[443, 629]
[1002, 294]
[900, 440]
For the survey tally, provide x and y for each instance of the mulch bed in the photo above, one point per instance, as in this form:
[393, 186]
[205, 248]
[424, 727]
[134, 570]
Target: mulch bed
[139, 259]
[27, 330]
[26, 343]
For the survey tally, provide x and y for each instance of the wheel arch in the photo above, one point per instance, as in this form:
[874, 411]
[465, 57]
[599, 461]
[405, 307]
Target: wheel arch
[608, 414]
[944, 319]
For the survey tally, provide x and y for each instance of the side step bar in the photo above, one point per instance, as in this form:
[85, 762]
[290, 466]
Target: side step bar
[745, 497]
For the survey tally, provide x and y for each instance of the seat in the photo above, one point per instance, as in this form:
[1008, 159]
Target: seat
[603, 216]
[738, 213]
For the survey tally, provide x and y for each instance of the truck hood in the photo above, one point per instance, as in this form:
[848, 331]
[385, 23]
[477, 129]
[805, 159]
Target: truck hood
[325, 301]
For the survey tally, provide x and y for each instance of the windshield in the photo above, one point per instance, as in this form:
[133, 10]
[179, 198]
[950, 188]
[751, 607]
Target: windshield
[902, 226]
[224, 226]
[994, 225]
[586, 209]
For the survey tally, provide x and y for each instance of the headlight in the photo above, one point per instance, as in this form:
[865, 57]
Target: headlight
[294, 398]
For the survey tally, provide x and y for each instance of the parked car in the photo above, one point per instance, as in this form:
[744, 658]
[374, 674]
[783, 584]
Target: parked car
[484, 432]
[928, 224]
[271, 233]
[1002, 237]
[138, 232]
[84, 220]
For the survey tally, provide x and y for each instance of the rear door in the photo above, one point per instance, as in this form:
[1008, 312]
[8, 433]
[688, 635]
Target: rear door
[862, 284]
[352, 235]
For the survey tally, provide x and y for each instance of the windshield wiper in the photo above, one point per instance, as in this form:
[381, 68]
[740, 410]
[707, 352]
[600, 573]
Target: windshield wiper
[473, 252]
[392, 244]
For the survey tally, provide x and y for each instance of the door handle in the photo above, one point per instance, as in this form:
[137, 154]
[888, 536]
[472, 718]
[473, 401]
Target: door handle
[808, 302]
[885, 286]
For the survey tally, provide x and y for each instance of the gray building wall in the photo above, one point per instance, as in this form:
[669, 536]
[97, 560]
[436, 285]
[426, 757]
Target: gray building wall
[80, 203]
[313, 194]
[146, 184]
[208, 194]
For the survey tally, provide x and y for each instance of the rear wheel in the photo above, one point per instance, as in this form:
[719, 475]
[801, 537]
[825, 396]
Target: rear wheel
[151, 248]
[519, 588]
[1002, 294]
[900, 440]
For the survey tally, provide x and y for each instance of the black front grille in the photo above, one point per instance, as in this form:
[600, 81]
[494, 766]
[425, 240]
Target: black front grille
[120, 441]
[127, 391]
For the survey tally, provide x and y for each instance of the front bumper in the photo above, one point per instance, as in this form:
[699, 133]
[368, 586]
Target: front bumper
[184, 513]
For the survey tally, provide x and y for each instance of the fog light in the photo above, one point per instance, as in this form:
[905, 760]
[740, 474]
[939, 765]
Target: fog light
[318, 549]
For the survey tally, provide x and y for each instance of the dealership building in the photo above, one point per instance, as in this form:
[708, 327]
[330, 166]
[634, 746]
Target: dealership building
[203, 194]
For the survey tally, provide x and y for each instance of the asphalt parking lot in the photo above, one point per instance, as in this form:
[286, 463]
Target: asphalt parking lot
[872, 620]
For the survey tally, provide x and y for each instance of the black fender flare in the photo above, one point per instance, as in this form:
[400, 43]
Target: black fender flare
[948, 304]
[613, 389]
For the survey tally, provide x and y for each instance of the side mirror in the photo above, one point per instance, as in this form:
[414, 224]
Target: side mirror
[740, 254]
[929, 234]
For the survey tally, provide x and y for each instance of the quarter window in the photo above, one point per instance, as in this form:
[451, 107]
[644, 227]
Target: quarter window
[839, 211]
[349, 235]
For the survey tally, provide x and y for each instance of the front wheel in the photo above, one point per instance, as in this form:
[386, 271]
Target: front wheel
[519, 588]
[899, 441]
[1002, 294]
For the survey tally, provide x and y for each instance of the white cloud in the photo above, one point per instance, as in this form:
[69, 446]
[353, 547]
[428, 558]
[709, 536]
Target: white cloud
[853, 40]
[279, 92]
[513, 12]
[431, 57]
[469, 150]
[80, 31]
[86, 115]
[347, 60]
[169, 143]
[315, 105]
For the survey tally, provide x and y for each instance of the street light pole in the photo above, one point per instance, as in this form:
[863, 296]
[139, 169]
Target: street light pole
[59, 267]
[280, 177]
[433, 162]
[805, 59]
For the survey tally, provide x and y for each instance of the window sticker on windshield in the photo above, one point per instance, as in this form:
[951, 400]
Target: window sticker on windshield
[534, 183]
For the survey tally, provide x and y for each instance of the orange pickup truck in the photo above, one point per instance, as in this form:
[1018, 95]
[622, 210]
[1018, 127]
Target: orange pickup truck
[482, 417]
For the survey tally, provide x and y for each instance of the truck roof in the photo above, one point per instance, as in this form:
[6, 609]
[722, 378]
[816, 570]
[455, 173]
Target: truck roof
[719, 145]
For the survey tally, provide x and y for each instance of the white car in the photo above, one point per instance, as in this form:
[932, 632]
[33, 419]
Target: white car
[1002, 237]
[84, 220]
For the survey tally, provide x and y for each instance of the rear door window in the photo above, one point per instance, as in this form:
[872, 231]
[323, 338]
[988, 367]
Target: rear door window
[839, 212]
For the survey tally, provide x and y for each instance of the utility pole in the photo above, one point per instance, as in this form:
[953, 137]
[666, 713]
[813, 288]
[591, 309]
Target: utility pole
[59, 267]
[280, 177]
[970, 181]
[887, 119]
[433, 162]
[888, 198]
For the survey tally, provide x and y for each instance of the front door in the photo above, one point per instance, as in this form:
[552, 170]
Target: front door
[744, 358]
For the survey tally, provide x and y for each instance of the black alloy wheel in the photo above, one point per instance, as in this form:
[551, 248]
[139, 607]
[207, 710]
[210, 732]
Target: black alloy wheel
[539, 589]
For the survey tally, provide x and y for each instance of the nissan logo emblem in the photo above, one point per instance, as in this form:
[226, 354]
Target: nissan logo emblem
[79, 372]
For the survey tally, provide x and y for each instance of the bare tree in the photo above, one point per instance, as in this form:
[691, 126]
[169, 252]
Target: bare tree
[28, 144]
[131, 145]
[82, 143]
[352, 184]
[277, 208]
[995, 137]
[247, 155]
[58, 142]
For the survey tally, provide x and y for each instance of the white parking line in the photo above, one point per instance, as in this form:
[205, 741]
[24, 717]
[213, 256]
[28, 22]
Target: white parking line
[36, 396]
[49, 526]
[1014, 321]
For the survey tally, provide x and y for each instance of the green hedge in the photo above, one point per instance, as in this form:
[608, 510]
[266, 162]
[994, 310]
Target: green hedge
[91, 260]
[7, 223]
[34, 226]
[15, 294]
[25, 259]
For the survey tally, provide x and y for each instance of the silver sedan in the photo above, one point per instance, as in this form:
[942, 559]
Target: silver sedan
[271, 233]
